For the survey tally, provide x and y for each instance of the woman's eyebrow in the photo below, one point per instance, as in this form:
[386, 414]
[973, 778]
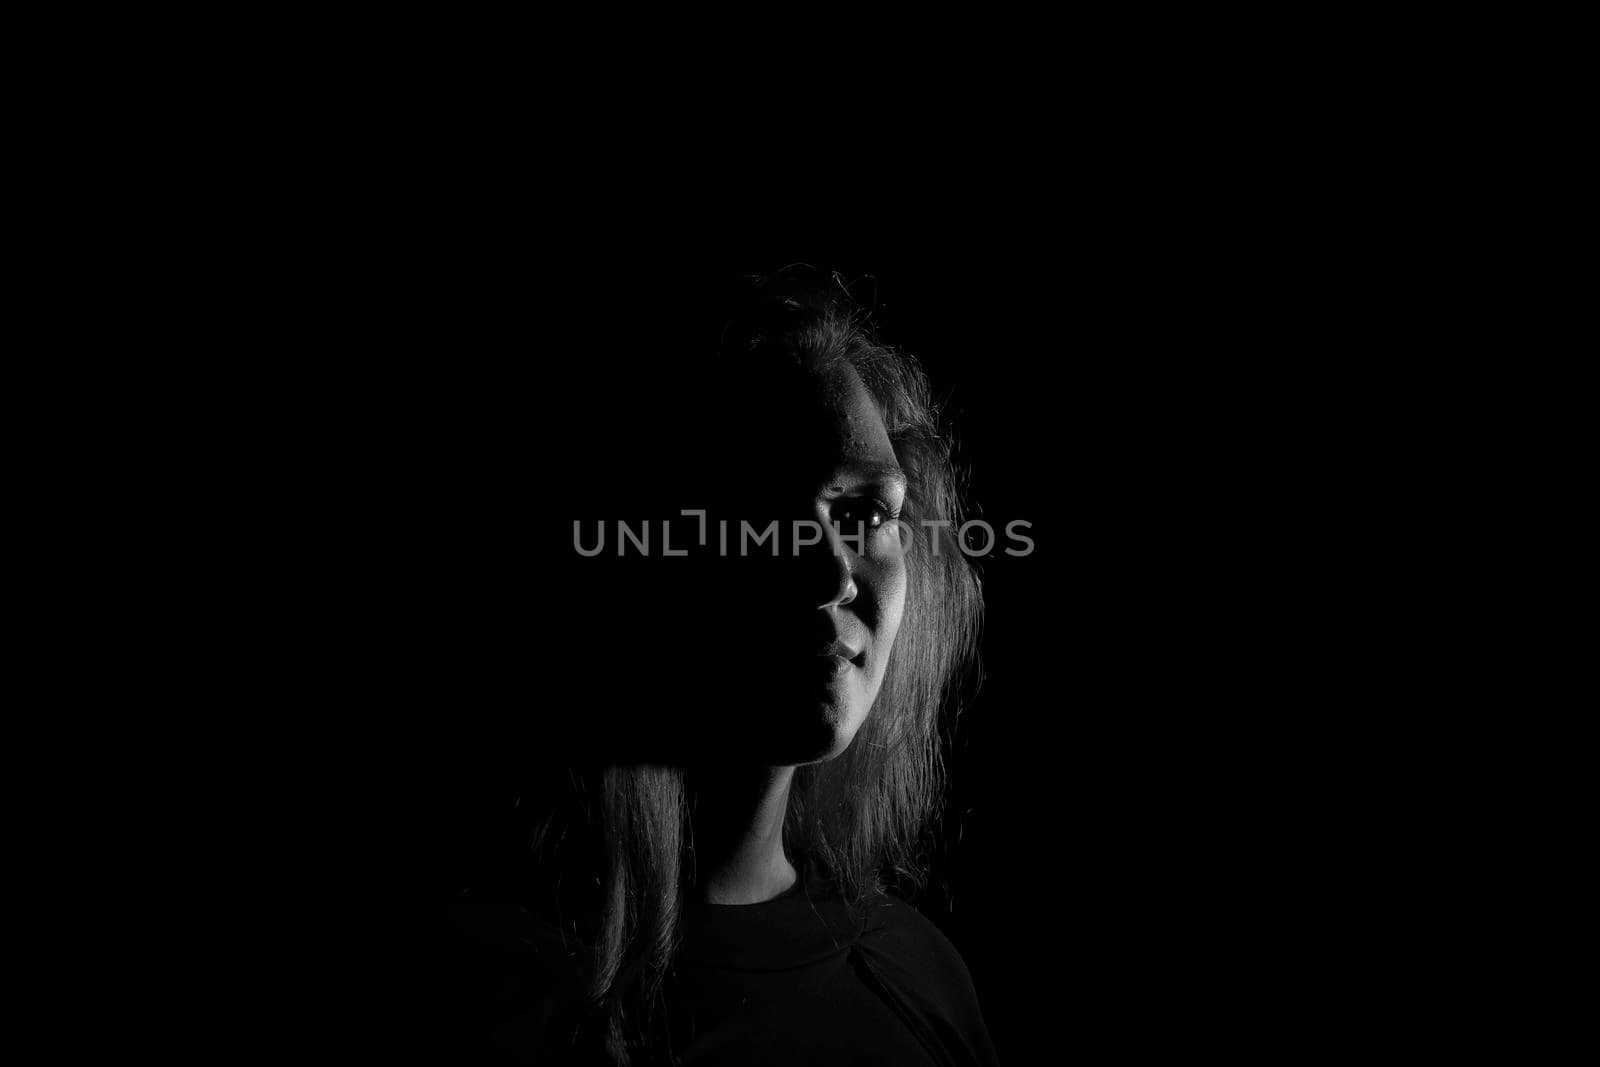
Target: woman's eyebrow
[882, 472]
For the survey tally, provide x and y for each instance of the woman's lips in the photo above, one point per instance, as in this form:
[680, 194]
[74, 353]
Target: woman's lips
[840, 650]
[833, 666]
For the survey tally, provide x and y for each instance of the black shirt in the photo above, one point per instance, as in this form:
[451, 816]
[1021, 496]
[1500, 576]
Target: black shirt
[804, 979]
[800, 979]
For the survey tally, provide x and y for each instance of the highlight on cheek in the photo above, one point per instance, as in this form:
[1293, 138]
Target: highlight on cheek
[898, 535]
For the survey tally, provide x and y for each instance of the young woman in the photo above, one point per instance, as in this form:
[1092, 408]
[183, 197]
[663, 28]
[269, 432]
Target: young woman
[710, 888]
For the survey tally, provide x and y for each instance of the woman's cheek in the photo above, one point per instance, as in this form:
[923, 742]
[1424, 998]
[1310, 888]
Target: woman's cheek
[891, 608]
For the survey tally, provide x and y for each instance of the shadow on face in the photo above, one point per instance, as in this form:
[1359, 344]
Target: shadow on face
[713, 656]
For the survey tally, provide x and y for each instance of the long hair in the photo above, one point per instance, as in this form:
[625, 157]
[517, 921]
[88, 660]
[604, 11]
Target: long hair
[867, 812]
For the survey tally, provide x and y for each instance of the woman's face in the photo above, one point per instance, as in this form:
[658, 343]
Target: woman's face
[817, 454]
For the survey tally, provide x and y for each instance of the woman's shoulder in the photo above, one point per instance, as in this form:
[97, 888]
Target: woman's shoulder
[888, 924]
[896, 929]
[919, 967]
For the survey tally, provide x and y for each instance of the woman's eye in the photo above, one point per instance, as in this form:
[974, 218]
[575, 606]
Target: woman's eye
[870, 513]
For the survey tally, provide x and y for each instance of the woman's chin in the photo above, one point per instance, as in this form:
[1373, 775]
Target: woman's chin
[786, 735]
[820, 734]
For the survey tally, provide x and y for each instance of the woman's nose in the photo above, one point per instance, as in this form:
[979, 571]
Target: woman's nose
[836, 584]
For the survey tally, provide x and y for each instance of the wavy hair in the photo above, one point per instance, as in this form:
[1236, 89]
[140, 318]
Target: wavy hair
[869, 812]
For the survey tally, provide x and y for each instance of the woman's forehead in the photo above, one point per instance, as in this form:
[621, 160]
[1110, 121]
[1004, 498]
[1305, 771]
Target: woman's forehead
[789, 426]
[832, 417]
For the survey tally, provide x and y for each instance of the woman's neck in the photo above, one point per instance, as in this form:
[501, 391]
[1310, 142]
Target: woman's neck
[738, 834]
